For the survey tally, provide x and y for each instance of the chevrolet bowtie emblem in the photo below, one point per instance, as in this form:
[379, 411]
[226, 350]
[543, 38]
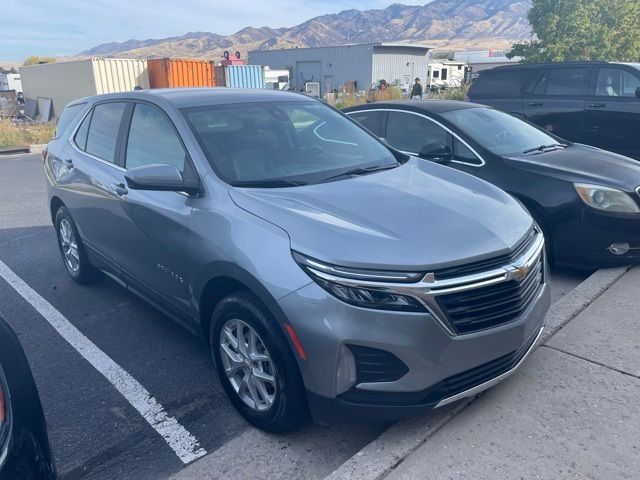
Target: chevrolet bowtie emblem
[517, 273]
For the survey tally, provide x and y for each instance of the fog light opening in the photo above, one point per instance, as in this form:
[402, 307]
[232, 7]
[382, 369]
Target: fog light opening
[346, 371]
[619, 248]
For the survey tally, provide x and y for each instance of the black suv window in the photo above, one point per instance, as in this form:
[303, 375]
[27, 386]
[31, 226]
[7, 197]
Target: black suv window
[562, 81]
[368, 119]
[616, 82]
[500, 83]
[153, 139]
[410, 133]
[103, 130]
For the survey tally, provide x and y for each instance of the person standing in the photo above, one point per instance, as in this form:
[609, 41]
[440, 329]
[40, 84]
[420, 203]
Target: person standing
[416, 90]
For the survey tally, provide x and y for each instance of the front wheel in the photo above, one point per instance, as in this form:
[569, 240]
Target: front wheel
[255, 364]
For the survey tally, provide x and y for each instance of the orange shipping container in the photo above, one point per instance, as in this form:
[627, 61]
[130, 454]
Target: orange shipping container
[167, 72]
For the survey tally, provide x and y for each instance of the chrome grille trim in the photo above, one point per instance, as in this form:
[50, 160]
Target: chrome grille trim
[427, 289]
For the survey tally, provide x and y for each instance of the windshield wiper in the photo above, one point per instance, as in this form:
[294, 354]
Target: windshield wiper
[269, 183]
[542, 148]
[361, 171]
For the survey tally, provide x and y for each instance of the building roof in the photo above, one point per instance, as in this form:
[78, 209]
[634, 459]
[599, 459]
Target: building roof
[373, 44]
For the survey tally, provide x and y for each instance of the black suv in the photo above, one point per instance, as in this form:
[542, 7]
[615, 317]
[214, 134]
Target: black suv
[597, 103]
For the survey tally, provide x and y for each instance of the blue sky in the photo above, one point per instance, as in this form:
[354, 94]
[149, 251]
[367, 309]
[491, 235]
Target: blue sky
[67, 27]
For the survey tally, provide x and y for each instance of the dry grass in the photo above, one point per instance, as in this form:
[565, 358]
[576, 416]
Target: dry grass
[14, 134]
[350, 98]
[451, 93]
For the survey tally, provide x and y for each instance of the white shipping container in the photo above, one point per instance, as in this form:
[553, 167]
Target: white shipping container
[64, 82]
[10, 81]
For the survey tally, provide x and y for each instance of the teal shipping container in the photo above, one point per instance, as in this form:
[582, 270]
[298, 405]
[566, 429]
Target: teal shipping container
[244, 76]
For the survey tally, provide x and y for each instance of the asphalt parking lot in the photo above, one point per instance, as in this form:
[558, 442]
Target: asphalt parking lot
[95, 432]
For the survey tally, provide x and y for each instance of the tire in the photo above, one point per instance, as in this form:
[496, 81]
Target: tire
[75, 260]
[287, 408]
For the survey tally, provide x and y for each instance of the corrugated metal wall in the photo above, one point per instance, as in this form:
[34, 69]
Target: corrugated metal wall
[399, 63]
[244, 76]
[63, 82]
[166, 73]
[337, 65]
[119, 74]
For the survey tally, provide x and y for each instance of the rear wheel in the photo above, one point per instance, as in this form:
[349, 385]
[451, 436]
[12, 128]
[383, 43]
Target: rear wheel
[255, 364]
[72, 249]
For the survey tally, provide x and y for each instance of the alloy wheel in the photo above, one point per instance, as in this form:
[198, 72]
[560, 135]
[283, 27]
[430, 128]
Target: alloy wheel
[69, 245]
[248, 365]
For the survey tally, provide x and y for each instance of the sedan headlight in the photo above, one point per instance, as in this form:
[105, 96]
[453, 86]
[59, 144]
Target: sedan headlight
[341, 282]
[606, 198]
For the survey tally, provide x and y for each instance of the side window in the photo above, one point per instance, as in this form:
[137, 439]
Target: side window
[68, 115]
[462, 153]
[369, 120]
[81, 133]
[410, 133]
[616, 82]
[103, 130]
[562, 81]
[153, 139]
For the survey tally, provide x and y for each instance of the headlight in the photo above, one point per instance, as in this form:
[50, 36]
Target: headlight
[329, 277]
[606, 198]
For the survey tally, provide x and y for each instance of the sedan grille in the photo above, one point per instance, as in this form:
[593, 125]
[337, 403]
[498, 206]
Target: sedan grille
[487, 307]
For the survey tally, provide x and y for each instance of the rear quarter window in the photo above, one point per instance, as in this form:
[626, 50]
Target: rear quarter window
[69, 114]
[509, 83]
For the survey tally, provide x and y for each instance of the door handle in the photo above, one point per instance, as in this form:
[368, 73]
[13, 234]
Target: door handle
[536, 104]
[119, 189]
[597, 105]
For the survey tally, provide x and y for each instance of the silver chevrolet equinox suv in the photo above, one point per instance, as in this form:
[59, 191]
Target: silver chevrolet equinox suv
[331, 275]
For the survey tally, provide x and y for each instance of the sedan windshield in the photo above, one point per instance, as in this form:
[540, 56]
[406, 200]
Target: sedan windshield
[499, 132]
[276, 144]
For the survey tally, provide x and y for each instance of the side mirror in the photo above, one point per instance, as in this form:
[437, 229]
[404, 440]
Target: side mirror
[638, 92]
[159, 177]
[436, 152]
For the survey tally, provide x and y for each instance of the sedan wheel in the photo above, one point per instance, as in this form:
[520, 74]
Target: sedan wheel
[248, 365]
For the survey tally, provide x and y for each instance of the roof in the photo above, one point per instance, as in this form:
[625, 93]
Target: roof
[194, 97]
[429, 106]
[372, 44]
[536, 65]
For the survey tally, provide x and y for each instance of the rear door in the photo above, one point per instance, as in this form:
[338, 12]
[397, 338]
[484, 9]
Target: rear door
[87, 180]
[612, 119]
[502, 89]
[557, 101]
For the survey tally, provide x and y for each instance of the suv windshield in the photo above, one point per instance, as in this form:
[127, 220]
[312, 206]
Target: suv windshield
[273, 144]
[499, 132]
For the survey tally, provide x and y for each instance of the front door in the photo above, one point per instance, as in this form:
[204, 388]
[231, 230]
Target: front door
[154, 224]
[557, 101]
[613, 111]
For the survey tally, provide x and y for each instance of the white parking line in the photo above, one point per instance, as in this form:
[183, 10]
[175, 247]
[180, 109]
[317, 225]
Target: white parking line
[184, 444]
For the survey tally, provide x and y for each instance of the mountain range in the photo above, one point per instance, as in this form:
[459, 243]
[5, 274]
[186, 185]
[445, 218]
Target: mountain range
[447, 24]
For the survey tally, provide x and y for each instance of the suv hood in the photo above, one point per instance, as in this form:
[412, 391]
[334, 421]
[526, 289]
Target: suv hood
[414, 217]
[582, 163]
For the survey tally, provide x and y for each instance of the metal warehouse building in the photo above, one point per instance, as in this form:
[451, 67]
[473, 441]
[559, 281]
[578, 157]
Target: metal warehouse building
[333, 66]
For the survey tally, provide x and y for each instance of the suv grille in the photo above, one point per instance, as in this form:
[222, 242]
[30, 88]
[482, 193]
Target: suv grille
[488, 264]
[487, 307]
